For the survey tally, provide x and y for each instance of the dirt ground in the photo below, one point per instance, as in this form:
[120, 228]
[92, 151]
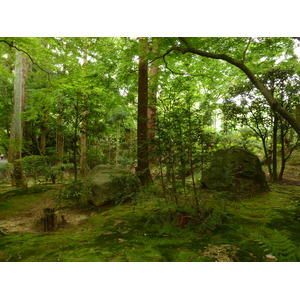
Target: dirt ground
[26, 222]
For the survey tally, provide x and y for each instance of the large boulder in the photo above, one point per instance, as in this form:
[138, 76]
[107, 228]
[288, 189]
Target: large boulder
[101, 177]
[236, 170]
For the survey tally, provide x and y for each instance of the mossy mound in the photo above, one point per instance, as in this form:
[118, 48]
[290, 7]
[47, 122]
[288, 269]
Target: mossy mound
[236, 170]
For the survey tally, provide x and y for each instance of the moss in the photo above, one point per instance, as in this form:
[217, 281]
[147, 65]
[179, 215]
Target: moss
[143, 232]
[236, 170]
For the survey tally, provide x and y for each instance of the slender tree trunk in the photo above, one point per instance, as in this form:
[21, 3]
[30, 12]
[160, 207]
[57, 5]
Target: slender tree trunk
[75, 139]
[16, 136]
[83, 137]
[130, 144]
[59, 131]
[60, 141]
[275, 130]
[43, 140]
[83, 147]
[190, 154]
[283, 160]
[142, 131]
[153, 85]
[118, 136]
[267, 156]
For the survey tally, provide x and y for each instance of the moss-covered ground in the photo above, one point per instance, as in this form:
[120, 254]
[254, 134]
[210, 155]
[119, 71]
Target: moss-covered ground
[144, 231]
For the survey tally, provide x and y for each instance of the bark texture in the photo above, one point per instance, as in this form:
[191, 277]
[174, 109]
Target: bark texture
[16, 133]
[142, 131]
[83, 137]
[153, 85]
[43, 140]
[60, 141]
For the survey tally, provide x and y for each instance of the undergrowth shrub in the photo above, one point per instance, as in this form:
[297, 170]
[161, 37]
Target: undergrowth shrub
[77, 192]
[34, 166]
[6, 171]
[57, 171]
[214, 219]
[37, 166]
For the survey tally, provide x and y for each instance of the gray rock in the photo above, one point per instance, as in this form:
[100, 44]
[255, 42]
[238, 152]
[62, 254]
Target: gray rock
[236, 170]
[100, 182]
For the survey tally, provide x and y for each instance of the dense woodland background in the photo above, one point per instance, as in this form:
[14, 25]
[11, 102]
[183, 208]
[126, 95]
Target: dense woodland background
[262, 214]
[88, 101]
[154, 111]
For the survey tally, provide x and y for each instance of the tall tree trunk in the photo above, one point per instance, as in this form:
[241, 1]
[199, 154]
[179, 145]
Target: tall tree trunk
[275, 130]
[43, 140]
[60, 140]
[283, 160]
[16, 133]
[76, 125]
[153, 85]
[83, 146]
[142, 129]
[118, 137]
[190, 154]
[83, 137]
[59, 131]
[267, 156]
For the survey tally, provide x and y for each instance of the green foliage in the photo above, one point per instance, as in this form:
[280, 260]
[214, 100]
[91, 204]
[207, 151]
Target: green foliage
[214, 219]
[35, 166]
[279, 245]
[77, 192]
[6, 170]
[58, 170]
[145, 231]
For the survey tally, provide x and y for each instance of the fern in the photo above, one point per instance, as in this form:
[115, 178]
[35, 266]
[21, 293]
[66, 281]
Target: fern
[279, 245]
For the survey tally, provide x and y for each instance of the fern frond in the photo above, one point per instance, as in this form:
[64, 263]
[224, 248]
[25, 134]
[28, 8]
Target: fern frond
[279, 245]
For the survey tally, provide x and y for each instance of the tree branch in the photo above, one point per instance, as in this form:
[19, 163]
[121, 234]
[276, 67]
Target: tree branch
[11, 44]
[274, 104]
[163, 57]
[182, 39]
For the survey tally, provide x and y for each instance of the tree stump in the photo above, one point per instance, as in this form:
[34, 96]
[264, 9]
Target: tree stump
[49, 219]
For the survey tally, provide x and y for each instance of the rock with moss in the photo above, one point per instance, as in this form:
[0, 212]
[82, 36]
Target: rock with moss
[236, 170]
[112, 183]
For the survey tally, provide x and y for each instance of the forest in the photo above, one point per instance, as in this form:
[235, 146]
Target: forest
[149, 149]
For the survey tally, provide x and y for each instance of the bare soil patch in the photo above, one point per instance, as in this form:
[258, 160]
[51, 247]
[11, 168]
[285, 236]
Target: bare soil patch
[26, 222]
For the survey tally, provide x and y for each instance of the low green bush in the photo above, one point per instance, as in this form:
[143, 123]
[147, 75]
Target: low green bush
[35, 166]
[77, 192]
[57, 171]
[5, 171]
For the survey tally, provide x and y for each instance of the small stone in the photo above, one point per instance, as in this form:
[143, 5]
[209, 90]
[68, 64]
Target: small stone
[270, 258]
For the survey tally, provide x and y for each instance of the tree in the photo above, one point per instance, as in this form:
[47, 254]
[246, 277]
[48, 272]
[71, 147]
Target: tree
[7, 60]
[16, 133]
[185, 46]
[142, 126]
[257, 115]
[153, 87]
[83, 137]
